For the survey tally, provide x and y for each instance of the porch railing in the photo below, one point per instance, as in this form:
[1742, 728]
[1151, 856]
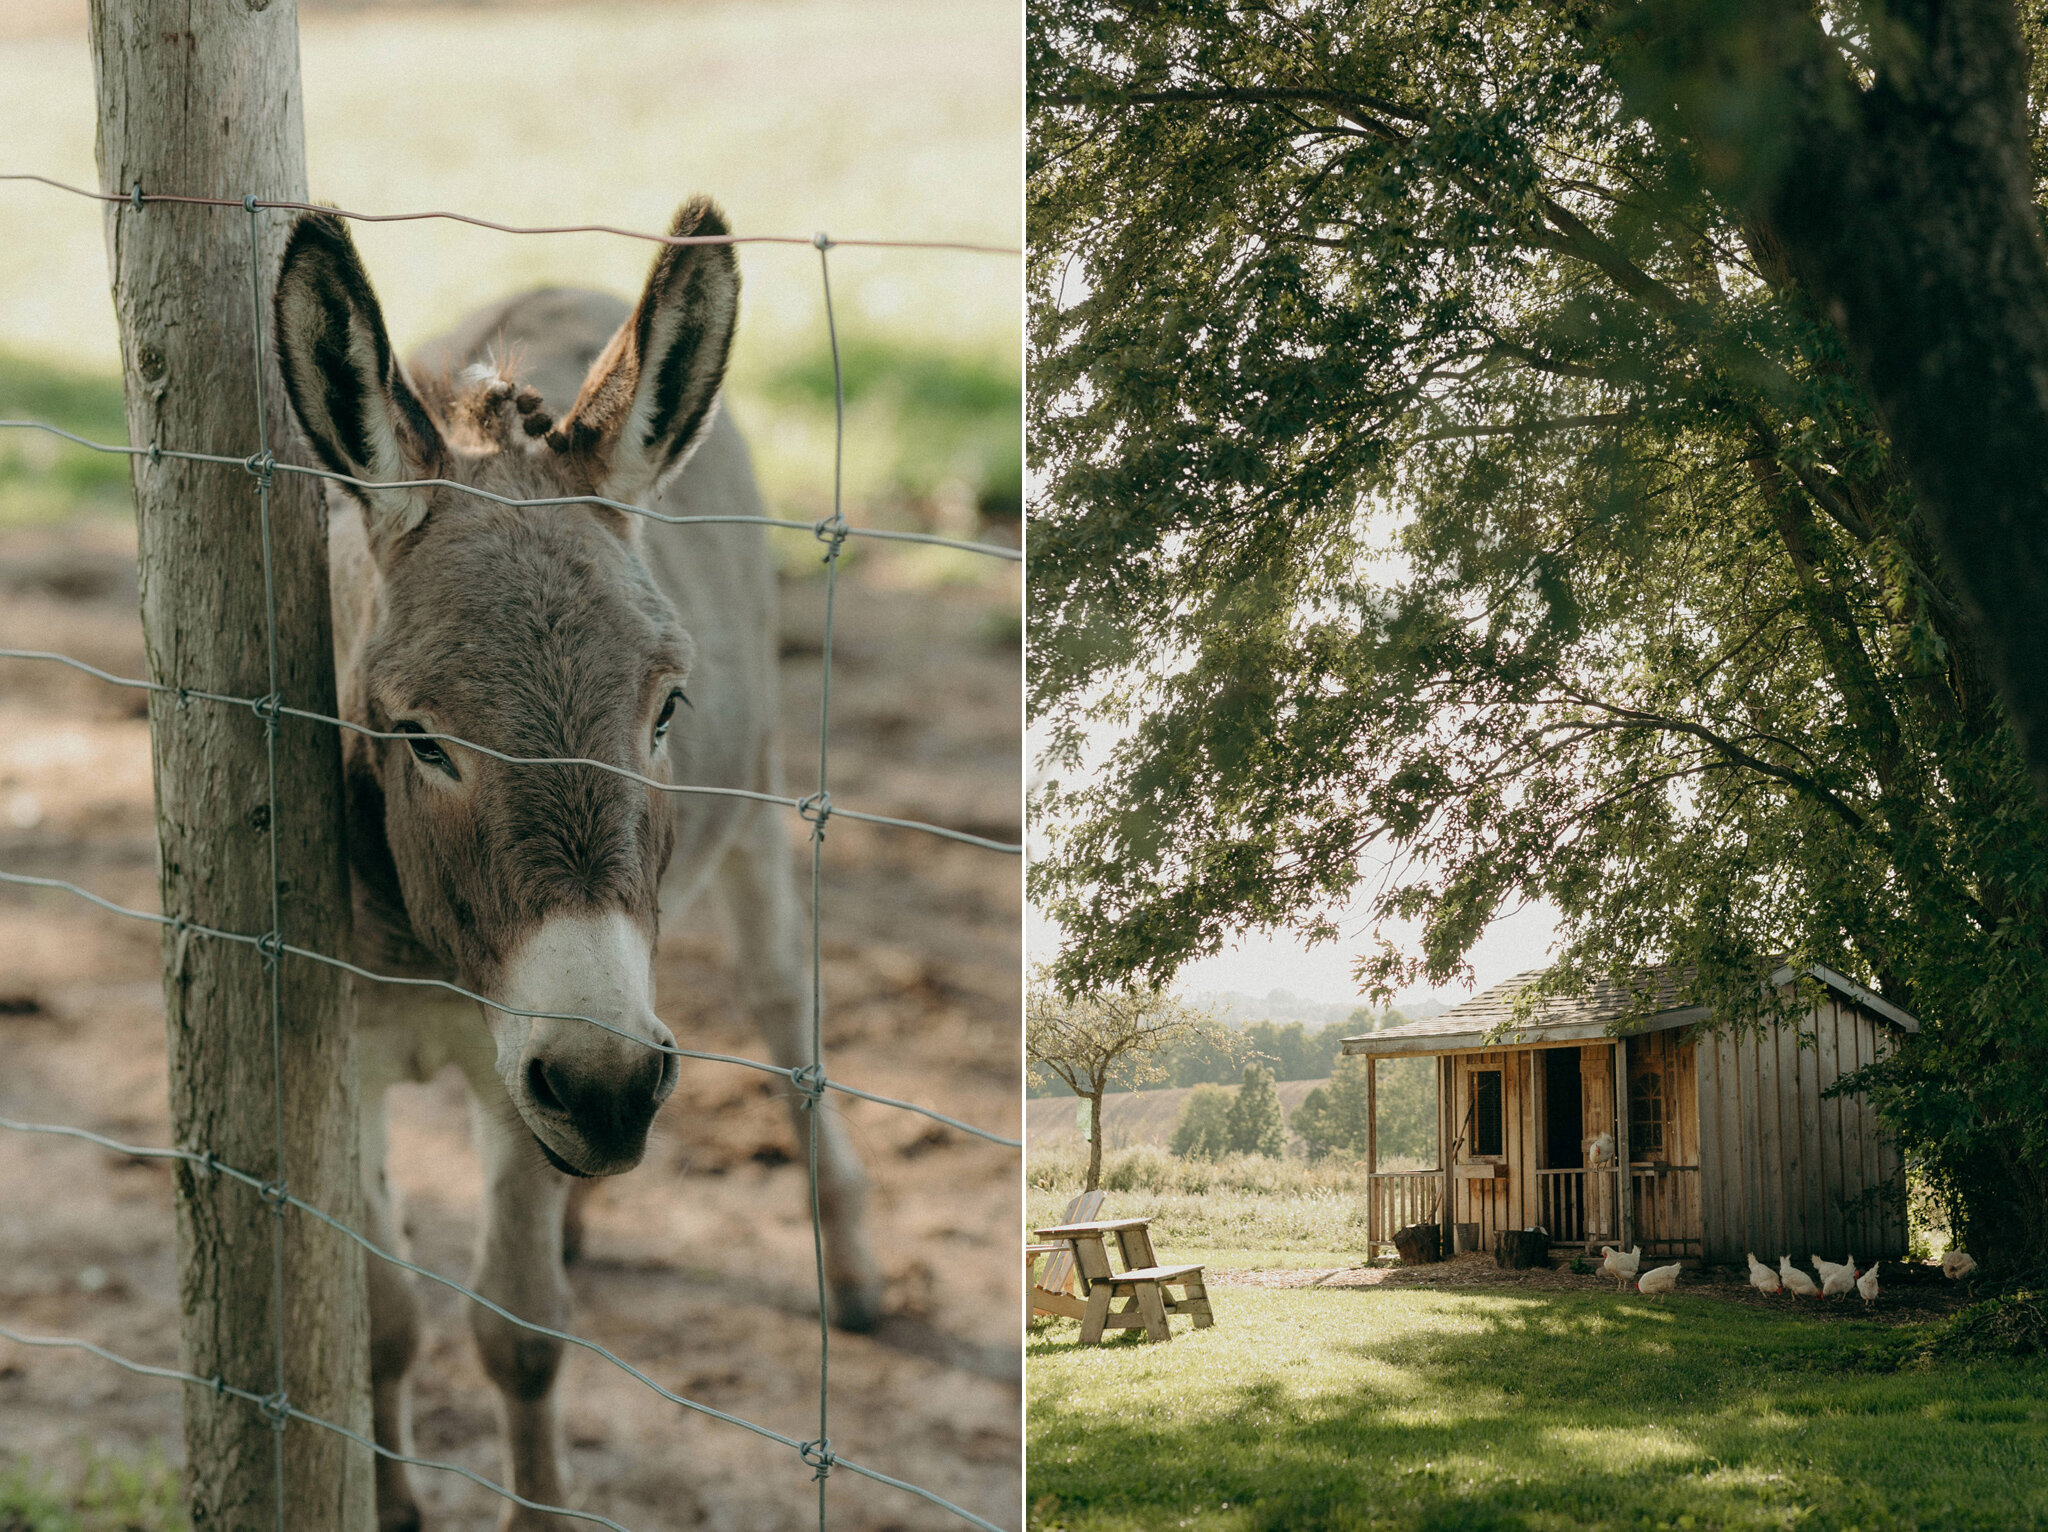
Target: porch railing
[1582, 1207]
[1398, 1198]
[1665, 1209]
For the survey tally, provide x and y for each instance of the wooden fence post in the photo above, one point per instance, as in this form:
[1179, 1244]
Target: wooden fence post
[203, 99]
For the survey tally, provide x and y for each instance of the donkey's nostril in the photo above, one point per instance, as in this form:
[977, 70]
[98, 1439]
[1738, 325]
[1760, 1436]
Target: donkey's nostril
[665, 1078]
[543, 1093]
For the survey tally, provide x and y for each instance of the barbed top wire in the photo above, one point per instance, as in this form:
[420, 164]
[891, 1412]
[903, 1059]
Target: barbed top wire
[138, 198]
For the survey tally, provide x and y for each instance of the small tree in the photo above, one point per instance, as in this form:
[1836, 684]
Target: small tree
[1255, 1124]
[1203, 1132]
[1111, 1036]
[1335, 1118]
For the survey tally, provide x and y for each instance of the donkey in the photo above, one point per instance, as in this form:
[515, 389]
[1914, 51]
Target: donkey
[559, 631]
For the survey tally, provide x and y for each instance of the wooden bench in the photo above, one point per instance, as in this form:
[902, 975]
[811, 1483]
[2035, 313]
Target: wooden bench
[1139, 1297]
[1051, 1291]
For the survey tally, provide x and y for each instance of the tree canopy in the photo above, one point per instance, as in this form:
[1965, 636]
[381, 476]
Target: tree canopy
[1452, 498]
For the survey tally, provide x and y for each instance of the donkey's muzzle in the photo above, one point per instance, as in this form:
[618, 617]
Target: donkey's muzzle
[591, 1114]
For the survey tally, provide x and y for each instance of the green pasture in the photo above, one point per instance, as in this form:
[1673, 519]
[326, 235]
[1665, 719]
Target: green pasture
[890, 120]
[1311, 1409]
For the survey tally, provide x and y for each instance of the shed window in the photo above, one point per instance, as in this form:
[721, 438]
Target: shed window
[1486, 1112]
[1646, 1115]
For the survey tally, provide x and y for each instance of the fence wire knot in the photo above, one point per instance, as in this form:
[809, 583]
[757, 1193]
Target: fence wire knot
[809, 1083]
[209, 1167]
[259, 466]
[815, 809]
[135, 200]
[268, 708]
[276, 1410]
[819, 1455]
[268, 947]
[832, 531]
[276, 1195]
[156, 453]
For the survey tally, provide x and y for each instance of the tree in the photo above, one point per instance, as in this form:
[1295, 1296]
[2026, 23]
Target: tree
[212, 109]
[1255, 1124]
[1441, 477]
[1877, 155]
[1090, 1041]
[1334, 1118]
[1203, 1132]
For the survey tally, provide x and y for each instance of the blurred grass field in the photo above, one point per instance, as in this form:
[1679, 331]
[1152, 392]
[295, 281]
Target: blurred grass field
[873, 120]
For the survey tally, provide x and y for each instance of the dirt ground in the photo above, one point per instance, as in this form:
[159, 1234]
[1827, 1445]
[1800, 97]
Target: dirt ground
[1912, 1292]
[697, 1266]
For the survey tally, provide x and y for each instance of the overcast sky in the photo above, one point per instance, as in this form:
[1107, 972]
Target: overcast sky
[1260, 964]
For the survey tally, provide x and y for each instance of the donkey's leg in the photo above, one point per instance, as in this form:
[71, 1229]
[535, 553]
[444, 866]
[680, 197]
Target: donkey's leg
[394, 1322]
[519, 1268]
[772, 941]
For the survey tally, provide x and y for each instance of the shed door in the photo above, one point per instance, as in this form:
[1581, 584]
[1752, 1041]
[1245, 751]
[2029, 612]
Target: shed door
[1563, 1110]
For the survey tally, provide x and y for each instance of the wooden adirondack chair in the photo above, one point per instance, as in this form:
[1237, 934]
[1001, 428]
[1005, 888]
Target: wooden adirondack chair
[1051, 1291]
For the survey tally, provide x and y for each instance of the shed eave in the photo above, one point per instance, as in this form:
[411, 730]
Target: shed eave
[1854, 993]
[1478, 1040]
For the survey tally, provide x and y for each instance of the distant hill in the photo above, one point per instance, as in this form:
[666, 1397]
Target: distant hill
[1129, 1117]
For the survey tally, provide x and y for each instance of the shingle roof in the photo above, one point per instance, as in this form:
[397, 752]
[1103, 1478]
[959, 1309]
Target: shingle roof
[1649, 1004]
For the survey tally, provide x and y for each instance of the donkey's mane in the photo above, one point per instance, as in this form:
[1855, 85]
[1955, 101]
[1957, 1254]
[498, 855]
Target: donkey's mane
[486, 406]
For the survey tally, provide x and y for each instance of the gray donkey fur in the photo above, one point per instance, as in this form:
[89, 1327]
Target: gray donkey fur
[557, 631]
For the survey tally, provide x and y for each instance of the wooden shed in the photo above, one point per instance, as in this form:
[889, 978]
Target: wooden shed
[1728, 1143]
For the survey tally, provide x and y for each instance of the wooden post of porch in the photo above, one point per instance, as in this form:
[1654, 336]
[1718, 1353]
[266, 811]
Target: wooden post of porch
[1624, 1186]
[1372, 1114]
[1446, 1214]
[1372, 1154]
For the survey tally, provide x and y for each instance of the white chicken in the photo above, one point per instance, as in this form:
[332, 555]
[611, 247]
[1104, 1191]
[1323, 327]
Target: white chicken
[1599, 1149]
[1839, 1282]
[1658, 1280]
[1958, 1264]
[1866, 1285]
[1797, 1282]
[1762, 1278]
[1621, 1265]
[1826, 1269]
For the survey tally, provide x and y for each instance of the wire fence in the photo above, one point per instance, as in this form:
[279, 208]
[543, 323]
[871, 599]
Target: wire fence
[810, 1082]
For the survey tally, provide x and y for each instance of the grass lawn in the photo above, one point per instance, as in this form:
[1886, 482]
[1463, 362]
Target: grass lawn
[1305, 1409]
[106, 1495]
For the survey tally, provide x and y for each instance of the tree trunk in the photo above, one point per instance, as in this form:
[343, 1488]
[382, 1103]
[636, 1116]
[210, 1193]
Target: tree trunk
[202, 98]
[1094, 1140]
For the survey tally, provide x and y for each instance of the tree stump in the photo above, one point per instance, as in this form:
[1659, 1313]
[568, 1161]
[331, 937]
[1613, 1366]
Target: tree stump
[1420, 1244]
[1521, 1248]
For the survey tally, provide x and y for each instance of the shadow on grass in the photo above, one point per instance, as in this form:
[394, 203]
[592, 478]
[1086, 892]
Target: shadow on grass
[1353, 1409]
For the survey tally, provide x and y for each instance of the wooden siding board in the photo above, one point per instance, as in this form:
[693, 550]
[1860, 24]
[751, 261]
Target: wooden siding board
[1785, 1081]
[1728, 1097]
[1809, 1134]
[1828, 1119]
[1770, 1157]
[1706, 1105]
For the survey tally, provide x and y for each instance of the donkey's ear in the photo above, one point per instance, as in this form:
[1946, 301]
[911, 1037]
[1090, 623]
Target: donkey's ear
[649, 397]
[357, 410]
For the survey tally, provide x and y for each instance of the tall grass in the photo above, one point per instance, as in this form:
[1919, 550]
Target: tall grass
[1244, 1209]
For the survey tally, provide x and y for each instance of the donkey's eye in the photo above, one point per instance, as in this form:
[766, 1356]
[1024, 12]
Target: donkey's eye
[668, 714]
[426, 751]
